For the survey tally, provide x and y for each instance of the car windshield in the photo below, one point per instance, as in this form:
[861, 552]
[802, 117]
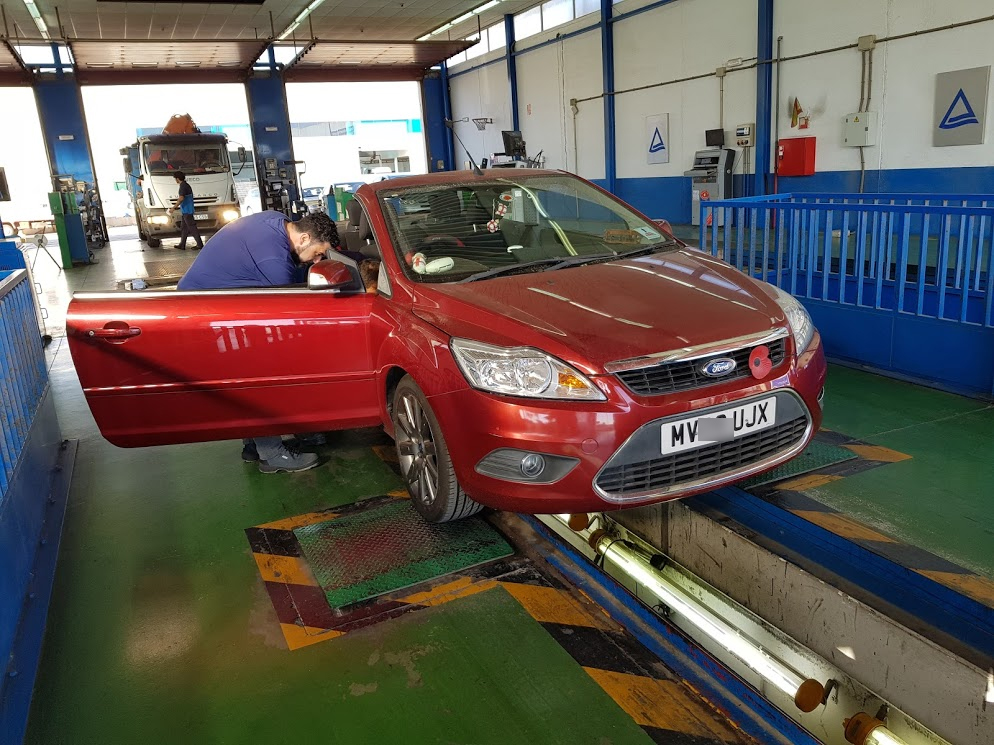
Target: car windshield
[469, 231]
[186, 157]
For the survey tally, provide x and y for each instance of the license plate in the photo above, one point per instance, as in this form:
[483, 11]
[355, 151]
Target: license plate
[685, 434]
[201, 216]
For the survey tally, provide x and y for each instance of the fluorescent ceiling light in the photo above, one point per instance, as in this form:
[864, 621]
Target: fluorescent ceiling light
[424, 38]
[463, 17]
[36, 17]
[300, 19]
[488, 6]
[289, 30]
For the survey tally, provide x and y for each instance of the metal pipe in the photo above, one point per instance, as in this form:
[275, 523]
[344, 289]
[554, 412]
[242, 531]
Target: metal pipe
[776, 122]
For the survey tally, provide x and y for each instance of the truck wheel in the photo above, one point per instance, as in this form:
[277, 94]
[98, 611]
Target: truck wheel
[424, 458]
[154, 242]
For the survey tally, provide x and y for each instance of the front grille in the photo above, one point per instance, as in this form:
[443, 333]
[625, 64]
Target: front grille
[686, 375]
[204, 200]
[670, 471]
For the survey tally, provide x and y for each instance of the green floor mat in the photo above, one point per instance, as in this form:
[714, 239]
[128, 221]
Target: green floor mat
[815, 456]
[378, 550]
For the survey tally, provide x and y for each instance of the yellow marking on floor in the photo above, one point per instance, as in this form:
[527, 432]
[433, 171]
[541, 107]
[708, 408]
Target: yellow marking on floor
[284, 569]
[304, 636]
[460, 588]
[387, 453]
[398, 494]
[843, 526]
[292, 523]
[549, 605]
[876, 452]
[664, 704]
[978, 588]
[808, 481]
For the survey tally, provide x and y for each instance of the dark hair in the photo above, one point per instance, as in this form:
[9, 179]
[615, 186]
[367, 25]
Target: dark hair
[321, 227]
[180, 175]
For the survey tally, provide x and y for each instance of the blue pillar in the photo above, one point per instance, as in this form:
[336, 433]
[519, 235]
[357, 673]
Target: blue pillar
[269, 119]
[436, 109]
[607, 62]
[450, 144]
[512, 70]
[764, 96]
[63, 126]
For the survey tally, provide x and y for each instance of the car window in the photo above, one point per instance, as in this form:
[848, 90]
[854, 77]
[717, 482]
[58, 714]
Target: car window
[451, 232]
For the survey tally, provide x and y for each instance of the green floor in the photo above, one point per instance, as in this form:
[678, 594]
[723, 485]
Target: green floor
[942, 499]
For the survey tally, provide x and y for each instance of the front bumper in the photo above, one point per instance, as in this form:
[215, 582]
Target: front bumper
[599, 436]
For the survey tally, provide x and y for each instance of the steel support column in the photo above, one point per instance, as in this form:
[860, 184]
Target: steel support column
[63, 127]
[269, 119]
[512, 69]
[607, 63]
[764, 95]
[435, 111]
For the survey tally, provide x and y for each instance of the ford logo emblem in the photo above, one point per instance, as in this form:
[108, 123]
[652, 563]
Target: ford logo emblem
[718, 367]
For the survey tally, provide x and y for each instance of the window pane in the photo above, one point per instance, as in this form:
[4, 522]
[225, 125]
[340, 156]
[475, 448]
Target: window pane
[556, 12]
[498, 39]
[480, 47]
[583, 7]
[528, 23]
[456, 59]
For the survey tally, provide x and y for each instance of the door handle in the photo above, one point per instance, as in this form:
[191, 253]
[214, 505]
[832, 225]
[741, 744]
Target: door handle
[114, 333]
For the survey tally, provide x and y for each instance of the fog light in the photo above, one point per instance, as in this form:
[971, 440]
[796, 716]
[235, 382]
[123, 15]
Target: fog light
[532, 465]
[229, 215]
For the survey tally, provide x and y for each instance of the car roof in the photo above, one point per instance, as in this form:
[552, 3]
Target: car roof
[460, 177]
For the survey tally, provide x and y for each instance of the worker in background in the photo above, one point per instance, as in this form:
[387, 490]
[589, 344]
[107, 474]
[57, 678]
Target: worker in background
[264, 250]
[188, 225]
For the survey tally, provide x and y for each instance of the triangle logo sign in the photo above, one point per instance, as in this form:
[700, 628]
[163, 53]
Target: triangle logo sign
[656, 145]
[959, 113]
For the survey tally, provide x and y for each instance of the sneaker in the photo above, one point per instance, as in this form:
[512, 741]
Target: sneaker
[249, 452]
[289, 460]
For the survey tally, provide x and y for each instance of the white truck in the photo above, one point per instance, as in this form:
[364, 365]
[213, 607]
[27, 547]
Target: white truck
[151, 163]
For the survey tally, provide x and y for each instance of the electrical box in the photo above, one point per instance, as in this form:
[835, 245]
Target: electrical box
[796, 156]
[860, 129]
[745, 135]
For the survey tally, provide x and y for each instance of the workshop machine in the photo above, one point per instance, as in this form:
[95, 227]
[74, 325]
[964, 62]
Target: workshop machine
[150, 163]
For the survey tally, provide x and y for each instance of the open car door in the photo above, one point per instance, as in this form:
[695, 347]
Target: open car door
[166, 367]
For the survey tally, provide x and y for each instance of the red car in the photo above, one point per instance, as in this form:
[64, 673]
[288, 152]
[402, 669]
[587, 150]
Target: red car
[534, 345]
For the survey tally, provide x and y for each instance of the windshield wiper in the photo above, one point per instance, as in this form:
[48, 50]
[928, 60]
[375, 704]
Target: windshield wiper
[580, 260]
[509, 269]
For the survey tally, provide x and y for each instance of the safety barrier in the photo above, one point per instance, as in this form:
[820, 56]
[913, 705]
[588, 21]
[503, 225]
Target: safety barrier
[22, 369]
[900, 282]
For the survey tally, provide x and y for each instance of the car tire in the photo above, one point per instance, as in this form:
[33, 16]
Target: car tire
[425, 464]
[154, 242]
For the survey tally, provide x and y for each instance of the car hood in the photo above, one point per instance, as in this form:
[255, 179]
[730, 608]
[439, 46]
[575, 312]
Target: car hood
[592, 315]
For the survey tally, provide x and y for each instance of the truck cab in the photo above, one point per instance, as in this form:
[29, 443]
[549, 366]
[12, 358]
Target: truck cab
[204, 160]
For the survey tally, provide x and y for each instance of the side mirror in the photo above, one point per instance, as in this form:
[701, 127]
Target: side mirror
[340, 275]
[241, 153]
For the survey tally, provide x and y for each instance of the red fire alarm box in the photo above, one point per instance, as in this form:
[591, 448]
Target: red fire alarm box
[796, 156]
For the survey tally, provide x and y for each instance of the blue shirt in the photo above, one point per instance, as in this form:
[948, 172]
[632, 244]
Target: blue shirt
[186, 198]
[253, 251]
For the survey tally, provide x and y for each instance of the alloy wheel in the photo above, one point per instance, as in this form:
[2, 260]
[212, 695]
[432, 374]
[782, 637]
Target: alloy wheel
[416, 449]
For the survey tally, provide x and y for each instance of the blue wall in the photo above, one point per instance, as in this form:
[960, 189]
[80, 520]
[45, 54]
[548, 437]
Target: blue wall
[669, 197]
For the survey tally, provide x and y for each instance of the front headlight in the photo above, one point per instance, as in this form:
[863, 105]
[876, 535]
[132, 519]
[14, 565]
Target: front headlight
[229, 215]
[521, 371]
[797, 317]
[159, 220]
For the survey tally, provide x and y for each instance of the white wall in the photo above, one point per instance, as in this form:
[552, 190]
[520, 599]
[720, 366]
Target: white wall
[693, 37]
[23, 157]
[680, 40]
[903, 76]
[479, 94]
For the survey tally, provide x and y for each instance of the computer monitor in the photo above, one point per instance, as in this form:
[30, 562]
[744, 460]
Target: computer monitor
[714, 137]
[513, 144]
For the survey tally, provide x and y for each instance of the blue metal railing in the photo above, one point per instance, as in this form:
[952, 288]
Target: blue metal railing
[914, 256]
[23, 376]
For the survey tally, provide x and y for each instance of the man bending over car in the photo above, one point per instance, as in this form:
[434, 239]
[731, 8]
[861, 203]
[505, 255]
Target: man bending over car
[263, 250]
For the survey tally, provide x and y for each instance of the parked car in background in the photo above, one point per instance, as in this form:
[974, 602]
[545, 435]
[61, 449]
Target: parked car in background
[313, 197]
[535, 345]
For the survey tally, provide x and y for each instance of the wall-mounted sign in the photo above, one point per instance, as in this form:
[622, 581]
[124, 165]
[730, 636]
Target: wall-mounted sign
[657, 140]
[961, 107]
[272, 129]
[67, 137]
